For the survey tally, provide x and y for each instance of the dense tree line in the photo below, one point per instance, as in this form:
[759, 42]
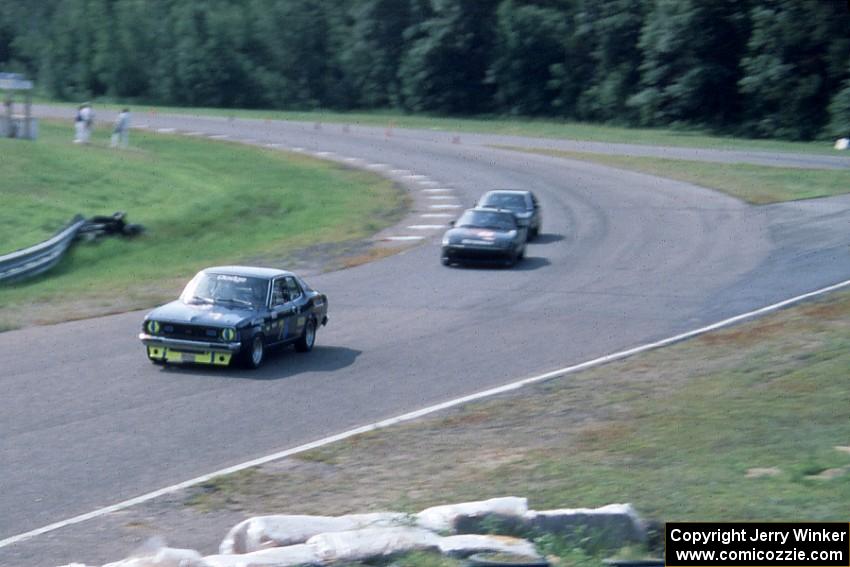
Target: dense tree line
[777, 68]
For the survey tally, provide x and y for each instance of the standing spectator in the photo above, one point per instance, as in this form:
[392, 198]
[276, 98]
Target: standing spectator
[121, 132]
[79, 126]
[87, 115]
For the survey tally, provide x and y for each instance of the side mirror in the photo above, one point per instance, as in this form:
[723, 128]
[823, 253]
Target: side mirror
[451, 223]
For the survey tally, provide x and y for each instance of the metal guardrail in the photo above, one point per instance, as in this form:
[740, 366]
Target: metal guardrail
[41, 257]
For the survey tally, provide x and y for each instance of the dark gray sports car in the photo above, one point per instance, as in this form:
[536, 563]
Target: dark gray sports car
[234, 313]
[484, 235]
[523, 204]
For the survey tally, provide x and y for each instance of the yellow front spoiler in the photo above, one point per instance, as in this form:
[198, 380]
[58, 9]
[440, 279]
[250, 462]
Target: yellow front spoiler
[180, 357]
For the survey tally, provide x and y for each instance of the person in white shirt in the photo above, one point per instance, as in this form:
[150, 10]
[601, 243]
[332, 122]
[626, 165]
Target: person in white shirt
[121, 132]
[87, 118]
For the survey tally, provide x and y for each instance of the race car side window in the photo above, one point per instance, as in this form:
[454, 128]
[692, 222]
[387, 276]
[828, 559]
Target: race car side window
[280, 293]
[293, 288]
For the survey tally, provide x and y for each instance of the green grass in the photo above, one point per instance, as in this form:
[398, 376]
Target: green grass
[521, 126]
[753, 183]
[677, 432]
[202, 203]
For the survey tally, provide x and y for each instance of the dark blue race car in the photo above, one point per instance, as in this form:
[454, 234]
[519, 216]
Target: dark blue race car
[233, 314]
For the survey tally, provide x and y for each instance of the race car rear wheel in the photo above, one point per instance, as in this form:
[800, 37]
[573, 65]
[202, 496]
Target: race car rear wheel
[308, 337]
[254, 355]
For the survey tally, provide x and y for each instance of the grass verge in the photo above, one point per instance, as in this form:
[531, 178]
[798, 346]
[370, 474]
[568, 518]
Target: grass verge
[753, 183]
[520, 126]
[202, 203]
[747, 423]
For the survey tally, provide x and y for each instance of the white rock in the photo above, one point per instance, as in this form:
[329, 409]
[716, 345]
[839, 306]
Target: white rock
[368, 543]
[289, 556]
[165, 557]
[262, 532]
[464, 545]
[443, 518]
[842, 143]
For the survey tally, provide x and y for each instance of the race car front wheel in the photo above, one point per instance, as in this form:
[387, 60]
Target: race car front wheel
[308, 337]
[254, 355]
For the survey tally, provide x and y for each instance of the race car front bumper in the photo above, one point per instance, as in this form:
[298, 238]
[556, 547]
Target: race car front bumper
[180, 351]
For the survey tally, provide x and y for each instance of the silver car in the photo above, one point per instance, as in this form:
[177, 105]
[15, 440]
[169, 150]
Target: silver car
[523, 204]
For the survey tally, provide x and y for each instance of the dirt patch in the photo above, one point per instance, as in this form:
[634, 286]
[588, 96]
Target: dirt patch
[746, 335]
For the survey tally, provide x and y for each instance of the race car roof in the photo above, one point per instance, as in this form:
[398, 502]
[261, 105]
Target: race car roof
[248, 271]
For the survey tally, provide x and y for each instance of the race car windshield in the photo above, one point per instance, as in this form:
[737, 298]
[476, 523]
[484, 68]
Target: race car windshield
[508, 201]
[226, 289]
[486, 219]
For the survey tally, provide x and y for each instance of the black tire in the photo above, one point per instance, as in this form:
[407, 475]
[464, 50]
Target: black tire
[157, 361]
[511, 261]
[308, 338]
[534, 233]
[445, 261]
[253, 356]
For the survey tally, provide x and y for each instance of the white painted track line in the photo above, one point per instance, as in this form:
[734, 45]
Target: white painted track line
[443, 206]
[426, 226]
[404, 238]
[419, 413]
[437, 216]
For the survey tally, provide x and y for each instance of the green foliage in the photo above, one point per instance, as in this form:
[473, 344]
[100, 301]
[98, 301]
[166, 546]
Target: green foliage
[839, 111]
[426, 559]
[373, 50]
[574, 550]
[529, 42]
[689, 68]
[796, 57]
[610, 32]
[771, 68]
[445, 67]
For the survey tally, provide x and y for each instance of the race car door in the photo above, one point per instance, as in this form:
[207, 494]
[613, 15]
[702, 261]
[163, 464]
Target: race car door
[300, 307]
[284, 313]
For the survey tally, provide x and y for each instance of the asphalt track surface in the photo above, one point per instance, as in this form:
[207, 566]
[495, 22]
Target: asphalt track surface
[624, 259]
